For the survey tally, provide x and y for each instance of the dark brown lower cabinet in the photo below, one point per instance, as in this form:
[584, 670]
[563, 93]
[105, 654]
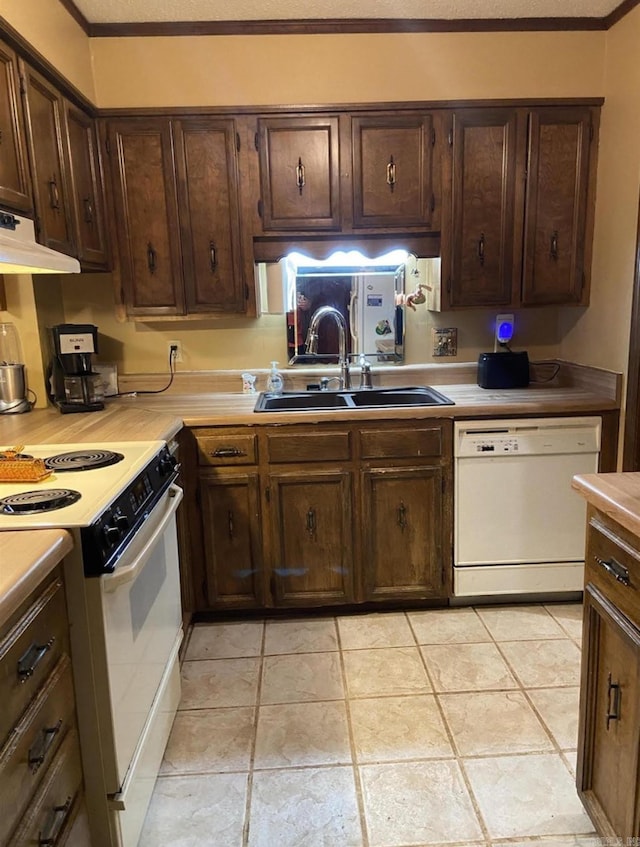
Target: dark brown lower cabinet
[608, 775]
[230, 503]
[311, 515]
[311, 538]
[402, 527]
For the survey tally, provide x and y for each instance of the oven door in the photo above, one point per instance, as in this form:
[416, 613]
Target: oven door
[136, 617]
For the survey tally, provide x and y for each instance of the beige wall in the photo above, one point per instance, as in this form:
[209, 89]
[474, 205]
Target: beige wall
[53, 32]
[600, 335]
[297, 69]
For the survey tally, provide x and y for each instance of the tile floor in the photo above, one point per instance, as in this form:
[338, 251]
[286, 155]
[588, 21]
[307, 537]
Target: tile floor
[453, 727]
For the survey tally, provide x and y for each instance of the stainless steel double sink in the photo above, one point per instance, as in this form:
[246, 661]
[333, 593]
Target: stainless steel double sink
[365, 398]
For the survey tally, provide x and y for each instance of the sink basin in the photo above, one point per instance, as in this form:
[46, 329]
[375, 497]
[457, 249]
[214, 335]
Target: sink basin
[299, 401]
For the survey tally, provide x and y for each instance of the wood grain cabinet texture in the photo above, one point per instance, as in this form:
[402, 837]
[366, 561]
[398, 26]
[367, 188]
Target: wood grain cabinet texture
[41, 781]
[608, 774]
[176, 216]
[308, 516]
[15, 182]
[342, 173]
[49, 162]
[519, 222]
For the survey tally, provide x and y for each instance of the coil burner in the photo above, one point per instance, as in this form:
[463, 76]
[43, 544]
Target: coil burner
[30, 502]
[82, 460]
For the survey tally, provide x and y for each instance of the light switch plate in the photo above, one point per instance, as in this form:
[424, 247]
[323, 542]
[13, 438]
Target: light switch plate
[445, 341]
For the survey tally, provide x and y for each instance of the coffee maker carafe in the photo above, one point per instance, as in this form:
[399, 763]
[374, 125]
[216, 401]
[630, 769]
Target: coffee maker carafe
[75, 387]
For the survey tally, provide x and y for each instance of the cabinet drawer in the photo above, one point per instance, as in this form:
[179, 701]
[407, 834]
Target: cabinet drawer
[50, 815]
[29, 651]
[227, 449]
[309, 447]
[613, 565]
[32, 745]
[401, 443]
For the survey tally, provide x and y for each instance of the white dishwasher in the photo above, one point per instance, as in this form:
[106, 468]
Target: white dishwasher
[519, 528]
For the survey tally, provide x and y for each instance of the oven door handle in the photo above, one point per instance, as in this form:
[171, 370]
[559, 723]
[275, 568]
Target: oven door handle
[127, 573]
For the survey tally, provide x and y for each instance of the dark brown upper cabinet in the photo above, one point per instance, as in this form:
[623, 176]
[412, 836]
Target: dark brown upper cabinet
[176, 216]
[392, 171]
[482, 236]
[146, 216]
[207, 171]
[520, 210]
[44, 111]
[15, 185]
[86, 189]
[558, 169]
[299, 173]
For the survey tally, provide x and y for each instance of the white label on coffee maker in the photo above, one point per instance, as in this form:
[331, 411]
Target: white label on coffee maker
[81, 343]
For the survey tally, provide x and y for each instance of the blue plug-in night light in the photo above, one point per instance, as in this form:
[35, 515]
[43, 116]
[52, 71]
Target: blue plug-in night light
[504, 328]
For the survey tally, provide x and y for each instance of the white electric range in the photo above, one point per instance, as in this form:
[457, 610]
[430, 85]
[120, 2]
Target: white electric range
[122, 584]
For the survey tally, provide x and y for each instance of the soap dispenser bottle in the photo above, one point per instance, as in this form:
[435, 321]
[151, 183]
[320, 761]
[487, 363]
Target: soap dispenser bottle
[275, 383]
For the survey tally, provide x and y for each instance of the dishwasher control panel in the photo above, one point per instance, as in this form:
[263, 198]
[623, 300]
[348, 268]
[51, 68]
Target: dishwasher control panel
[494, 445]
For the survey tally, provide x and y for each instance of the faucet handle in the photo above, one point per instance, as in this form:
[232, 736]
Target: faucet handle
[365, 372]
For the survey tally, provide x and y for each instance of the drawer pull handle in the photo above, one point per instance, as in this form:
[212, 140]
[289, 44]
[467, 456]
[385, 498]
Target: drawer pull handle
[54, 194]
[613, 709]
[38, 751]
[49, 835]
[28, 663]
[402, 516]
[300, 181]
[231, 526]
[615, 569]
[391, 174]
[227, 453]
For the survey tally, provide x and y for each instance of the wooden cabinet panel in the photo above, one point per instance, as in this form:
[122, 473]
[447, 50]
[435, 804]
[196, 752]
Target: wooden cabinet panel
[311, 538]
[49, 164]
[401, 443]
[392, 171]
[207, 169]
[299, 173]
[87, 190]
[233, 541]
[319, 446]
[227, 448]
[15, 186]
[481, 271]
[556, 206]
[403, 533]
[146, 212]
[609, 736]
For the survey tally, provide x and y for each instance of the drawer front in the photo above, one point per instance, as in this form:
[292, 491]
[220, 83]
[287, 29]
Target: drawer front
[309, 447]
[50, 815]
[227, 449]
[613, 565]
[32, 745]
[401, 443]
[29, 651]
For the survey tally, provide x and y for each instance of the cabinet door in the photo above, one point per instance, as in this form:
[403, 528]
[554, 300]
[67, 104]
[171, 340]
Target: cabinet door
[146, 210]
[556, 206]
[233, 544]
[299, 173]
[392, 174]
[206, 160]
[15, 188]
[311, 538]
[49, 164]
[484, 256]
[87, 188]
[609, 735]
[403, 543]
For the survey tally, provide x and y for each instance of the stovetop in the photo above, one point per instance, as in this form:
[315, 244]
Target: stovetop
[98, 487]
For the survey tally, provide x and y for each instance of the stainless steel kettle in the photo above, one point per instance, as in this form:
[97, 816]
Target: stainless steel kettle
[13, 385]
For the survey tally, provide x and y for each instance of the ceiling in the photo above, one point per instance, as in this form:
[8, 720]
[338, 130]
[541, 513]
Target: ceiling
[97, 13]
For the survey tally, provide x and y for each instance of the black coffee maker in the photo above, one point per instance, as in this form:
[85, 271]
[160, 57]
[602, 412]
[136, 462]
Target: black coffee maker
[74, 385]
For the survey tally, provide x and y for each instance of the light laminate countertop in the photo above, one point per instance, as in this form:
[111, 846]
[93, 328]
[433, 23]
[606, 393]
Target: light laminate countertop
[615, 494]
[26, 558]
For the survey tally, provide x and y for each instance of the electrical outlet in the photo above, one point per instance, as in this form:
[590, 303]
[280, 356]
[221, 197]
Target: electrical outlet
[178, 354]
[445, 341]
